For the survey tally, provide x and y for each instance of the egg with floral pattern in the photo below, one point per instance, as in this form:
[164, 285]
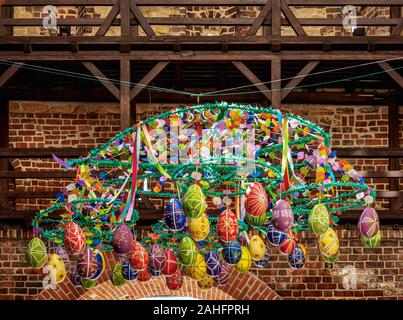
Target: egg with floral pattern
[175, 281]
[122, 239]
[257, 247]
[282, 216]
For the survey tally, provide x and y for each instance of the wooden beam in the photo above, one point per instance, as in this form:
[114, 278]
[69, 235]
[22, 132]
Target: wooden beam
[148, 78]
[141, 20]
[109, 19]
[102, 78]
[276, 83]
[392, 73]
[125, 17]
[125, 114]
[292, 19]
[260, 19]
[276, 18]
[9, 73]
[298, 79]
[252, 78]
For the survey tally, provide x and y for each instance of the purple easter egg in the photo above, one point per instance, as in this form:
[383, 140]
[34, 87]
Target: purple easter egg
[282, 216]
[87, 264]
[122, 239]
[213, 264]
[369, 223]
[223, 277]
[175, 217]
[157, 258]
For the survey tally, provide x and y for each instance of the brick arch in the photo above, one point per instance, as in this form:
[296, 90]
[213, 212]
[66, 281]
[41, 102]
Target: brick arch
[242, 286]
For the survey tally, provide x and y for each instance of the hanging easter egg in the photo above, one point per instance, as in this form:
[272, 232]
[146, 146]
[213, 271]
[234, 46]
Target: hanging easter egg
[282, 216]
[36, 253]
[175, 281]
[74, 238]
[246, 260]
[59, 268]
[199, 228]
[88, 283]
[128, 272]
[213, 263]
[275, 237]
[372, 242]
[87, 264]
[122, 239]
[194, 201]
[257, 247]
[206, 283]
[187, 251]
[227, 226]
[223, 277]
[175, 217]
[296, 259]
[328, 243]
[232, 252]
[117, 276]
[319, 219]
[144, 275]
[65, 257]
[171, 265]
[75, 277]
[197, 270]
[157, 258]
[333, 259]
[369, 223]
[256, 200]
[288, 245]
[263, 262]
[255, 221]
[101, 264]
[138, 256]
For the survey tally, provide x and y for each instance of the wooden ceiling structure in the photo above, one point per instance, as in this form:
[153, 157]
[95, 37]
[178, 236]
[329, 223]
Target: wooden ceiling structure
[203, 63]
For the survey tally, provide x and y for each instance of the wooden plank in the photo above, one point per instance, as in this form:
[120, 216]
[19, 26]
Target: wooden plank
[292, 19]
[42, 152]
[276, 84]
[298, 79]
[276, 18]
[141, 20]
[392, 73]
[109, 19]
[102, 78]
[252, 78]
[9, 73]
[155, 71]
[260, 19]
[125, 17]
[37, 174]
[125, 113]
[369, 152]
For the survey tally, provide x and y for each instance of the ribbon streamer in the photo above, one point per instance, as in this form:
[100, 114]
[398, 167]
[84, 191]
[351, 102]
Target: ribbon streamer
[62, 163]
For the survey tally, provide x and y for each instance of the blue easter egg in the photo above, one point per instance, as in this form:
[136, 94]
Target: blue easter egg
[232, 252]
[275, 237]
[263, 262]
[213, 265]
[175, 217]
[128, 272]
[296, 259]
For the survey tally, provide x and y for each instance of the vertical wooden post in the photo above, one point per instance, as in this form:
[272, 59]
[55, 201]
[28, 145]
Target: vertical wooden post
[125, 108]
[276, 85]
[125, 17]
[393, 116]
[6, 12]
[276, 18]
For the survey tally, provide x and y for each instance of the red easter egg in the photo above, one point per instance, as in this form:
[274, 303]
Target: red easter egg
[144, 275]
[289, 244]
[256, 200]
[74, 238]
[175, 281]
[138, 256]
[87, 264]
[227, 226]
[171, 264]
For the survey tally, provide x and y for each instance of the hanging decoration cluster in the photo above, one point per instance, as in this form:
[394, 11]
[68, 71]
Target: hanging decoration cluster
[236, 179]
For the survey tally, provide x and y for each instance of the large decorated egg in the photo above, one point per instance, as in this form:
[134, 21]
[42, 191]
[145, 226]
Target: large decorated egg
[372, 242]
[122, 239]
[288, 244]
[128, 272]
[296, 259]
[263, 262]
[227, 226]
[144, 275]
[282, 216]
[59, 268]
[175, 217]
[223, 277]
[369, 223]
[65, 257]
[87, 264]
[256, 200]
[257, 247]
[206, 283]
[197, 270]
[175, 281]
[117, 276]
[194, 201]
[36, 253]
[232, 252]
[199, 228]
[213, 263]
[157, 258]
[246, 261]
[187, 251]
[328, 243]
[275, 237]
[101, 264]
[138, 256]
[74, 238]
[319, 219]
[171, 265]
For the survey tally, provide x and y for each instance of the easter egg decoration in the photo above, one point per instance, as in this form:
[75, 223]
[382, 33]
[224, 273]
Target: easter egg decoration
[369, 223]
[199, 228]
[65, 257]
[206, 283]
[288, 245]
[263, 262]
[232, 252]
[372, 242]
[194, 201]
[36, 253]
[246, 260]
[117, 276]
[213, 263]
[256, 221]
[197, 270]
[296, 259]
[319, 219]
[157, 258]
[122, 239]
[59, 268]
[282, 216]
[128, 272]
[144, 275]
[138, 256]
[223, 277]
[257, 247]
[274, 236]
[101, 264]
[171, 264]
[328, 243]
[87, 264]
[154, 273]
[74, 238]
[175, 217]
[227, 226]
[175, 281]
[256, 200]
[333, 259]
[88, 283]
[187, 251]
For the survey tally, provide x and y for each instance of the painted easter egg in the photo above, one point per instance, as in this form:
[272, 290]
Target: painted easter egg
[187, 251]
[122, 239]
[101, 264]
[328, 243]
[175, 217]
[117, 278]
[274, 236]
[87, 264]
[144, 275]
[74, 238]
[296, 259]
[257, 247]
[197, 270]
[246, 260]
[319, 219]
[175, 281]
[75, 277]
[333, 259]
[36, 253]
[223, 277]
[369, 223]
[199, 228]
[171, 264]
[288, 244]
[213, 263]
[372, 242]
[157, 257]
[154, 273]
[128, 272]
[256, 200]
[262, 263]
[194, 201]
[88, 283]
[232, 252]
[255, 221]
[60, 269]
[206, 283]
[138, 256]
[65, 257]
[282, 216]
[227, 226]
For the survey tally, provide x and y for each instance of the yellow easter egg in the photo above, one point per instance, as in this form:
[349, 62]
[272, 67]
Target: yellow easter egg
[246, 260]
[206, 283]
[197, 270]
[329, 243]
[257, 247]
[199, 228]
[60, 269]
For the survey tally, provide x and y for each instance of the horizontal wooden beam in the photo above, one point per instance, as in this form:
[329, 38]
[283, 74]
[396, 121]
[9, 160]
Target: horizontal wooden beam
[369, 152]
